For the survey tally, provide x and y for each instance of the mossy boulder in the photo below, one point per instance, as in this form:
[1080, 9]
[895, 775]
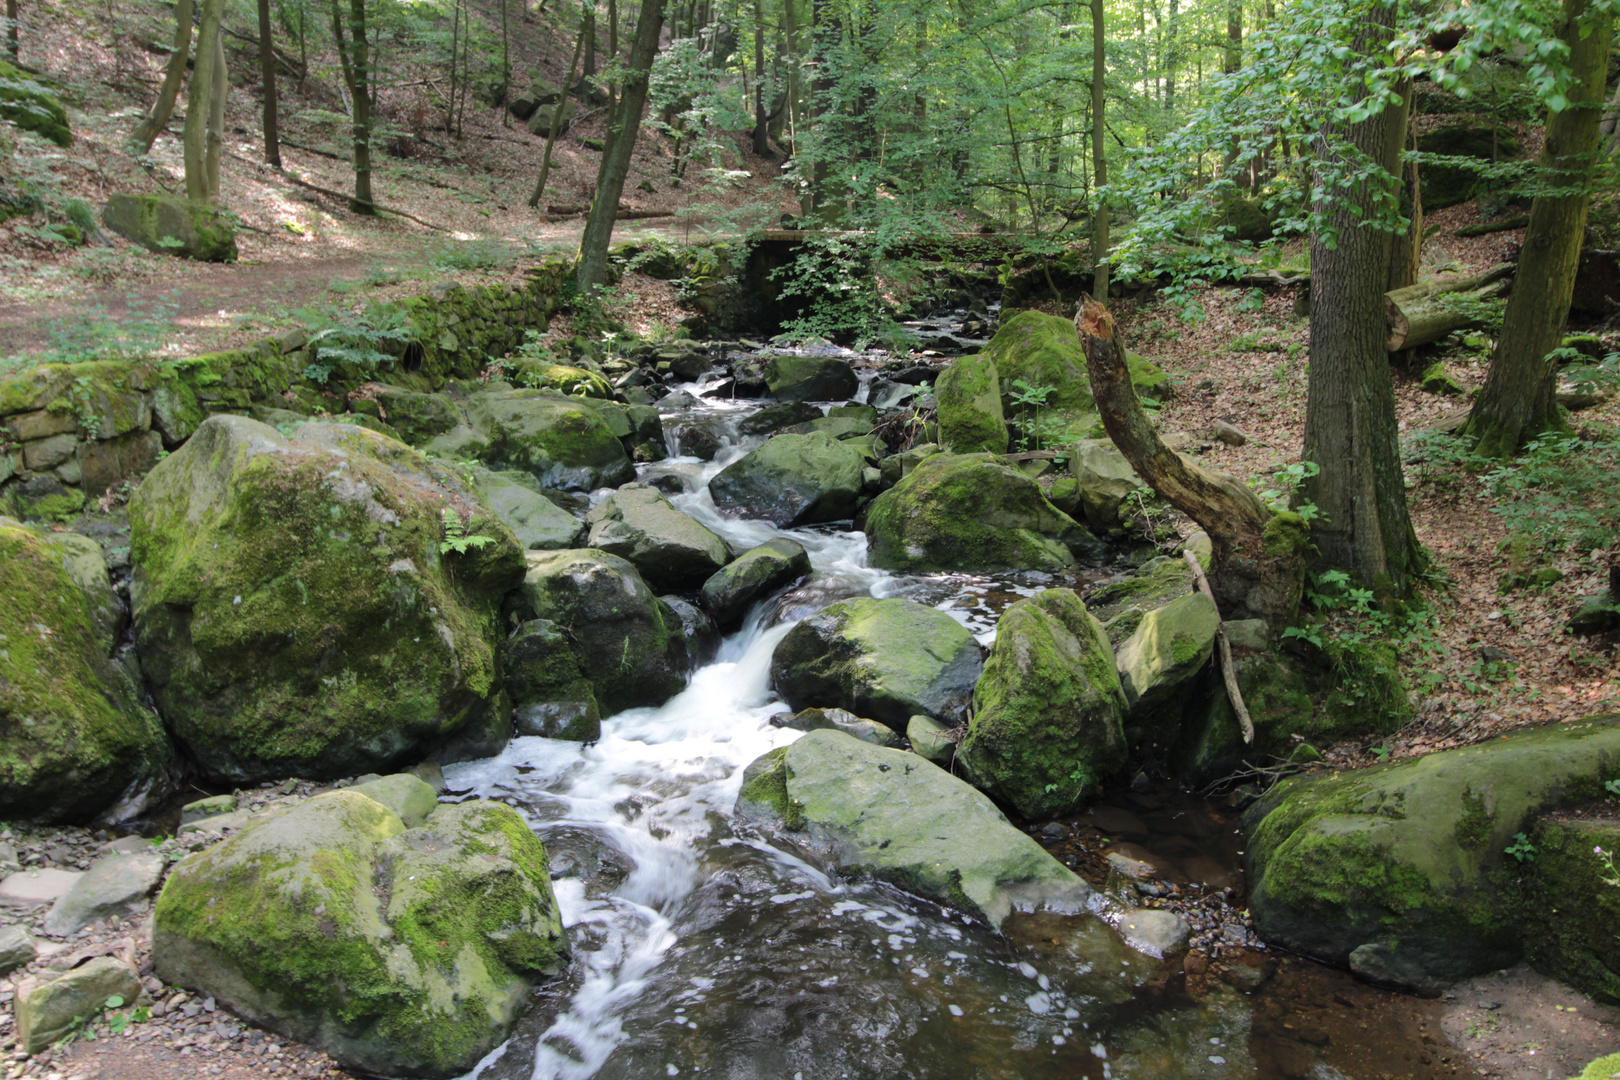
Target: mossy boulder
[1569, 884]
[400, 952]
[1104, 482]
[77, 741]
[777, 415]
[563, 378]
[172, 225]
[794, 480]
[883, 659]
[1400, 870]
[1047, 711]
[32, 107]
[1165, 653]
[1120, 605]
[971, 512]
[753, 575]
[561, 442]
[628, 644]
[970, 413]
[672, 550]
[1276, 693]
[417, 417]
[791, 377]
[297, 612]
[551, 695]
[868, 731]
[536, 522]
[897, 817]
[1042, 350]
[1604, 1068]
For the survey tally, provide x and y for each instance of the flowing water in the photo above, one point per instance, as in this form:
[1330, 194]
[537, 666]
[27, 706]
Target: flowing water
[701, 950]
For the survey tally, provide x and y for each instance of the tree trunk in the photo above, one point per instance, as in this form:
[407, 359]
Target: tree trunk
[590, 40]
[196, 136]
[1099, 155]
[267, 76]
[1419, 314]
[556, 124]
[762, 144]
[1257, 568]
[591, 267]
[1350, 429]
[353, 58]
[1406, 250]
[1517, 402]
[455, 44]
[140, 141]
[613, 50]
[215, 144]
[506, 70]
[12, 15]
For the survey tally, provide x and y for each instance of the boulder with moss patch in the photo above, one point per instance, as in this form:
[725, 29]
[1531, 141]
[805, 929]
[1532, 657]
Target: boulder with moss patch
[1400, 870]
[795, 480]
[172, 225]
[673, 550]
[1047, 711]
[792, 377]
[400, 952]
[538, 523]
[970, 413]
[1168, 649]
[1120, 605]
[301, 609]
[77, 742]
[551, 695]
[894, 816]
[972, 513]
[1276, 693]
[1570, 883]
[752, 576]
[883, 659]
[561, 442]
[32, 107]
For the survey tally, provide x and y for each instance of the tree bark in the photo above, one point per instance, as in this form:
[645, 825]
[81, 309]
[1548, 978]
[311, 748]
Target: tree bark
[146, 132]
[556, 124]
[267, 78]
[1518, 400]
[197, 138]
[1418, 314]
[1257, 567]
[1406, 251]
[12, 15]
[762, 143]
[1099, 154]
[591, 266]
[353, 59]
[1350, 428]
[590, 40]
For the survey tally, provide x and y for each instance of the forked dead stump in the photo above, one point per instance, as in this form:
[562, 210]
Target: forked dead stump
[1234, 693]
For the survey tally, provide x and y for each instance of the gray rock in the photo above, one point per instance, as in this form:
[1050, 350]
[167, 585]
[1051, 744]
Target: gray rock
[1154, 932]
[776, 416]
[810, 378]
[114, 885]
[672, 550]
[794, 480]
[884, 659]
[1228, 434]
[172, 225]
[931, 739]
[1106, 480]
[8, 858]
[36, 888]
[551, 696]
[752, 576]
[538, 523]
[868, 731]
[893, 816]
[409, 797]
[1249, 634]
[209, 807]
[546, 118]
[1169, 648]
[561, 442]
[17, 949]
[48, 1009]
[697, 630]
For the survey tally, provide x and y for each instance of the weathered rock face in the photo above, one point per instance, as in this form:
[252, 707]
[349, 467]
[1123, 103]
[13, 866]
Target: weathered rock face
[537, 523]
[810, 378]
[627, 644]
[171, 225]
[1575, 934]
[751, 576]
[400, 952]
[970, 416]
[1104, 481]
[1047, 711]
[115, 885]
[416, 416]
[76, 741]
[868, 731]
[672, 551]
[1470, 141]
[971, 512]
[48, 1009]
[1170, 646]
[551, 696]
[1279, 703]
[794, 480]
[1121, 605]
[1399, 870]
[774, 417]
[32, 107]
[894, 816]
[883, 659]
[561, 442]
[1043, 350]
[297, 612]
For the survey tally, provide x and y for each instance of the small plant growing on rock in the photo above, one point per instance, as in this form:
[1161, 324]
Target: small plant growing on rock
[456, 539]
[1521, 848]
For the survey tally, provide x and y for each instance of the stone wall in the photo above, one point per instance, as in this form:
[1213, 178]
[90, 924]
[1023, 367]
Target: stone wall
[69, 432]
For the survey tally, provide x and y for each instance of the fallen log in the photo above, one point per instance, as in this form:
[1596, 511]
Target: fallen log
[1488, 227]
[1421, 314]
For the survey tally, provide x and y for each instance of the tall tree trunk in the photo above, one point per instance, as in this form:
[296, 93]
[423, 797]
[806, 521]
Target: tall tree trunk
[1099, 155]
[506, 70]
[795, 89]
[197, 138]
[762, 144]
[591, 268]
[1350, 429]
[215, 144]
[590, 41]
[1231, 60]
[1171, 58]
[1517, 402]
[12, 15]
[455, 43]
[354, 58]
[267, 77]
[1406, 250]
[613, 50]
[556, 122]
[145, 133]
[826, 34]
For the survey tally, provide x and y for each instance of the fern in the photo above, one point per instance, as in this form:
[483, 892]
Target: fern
[456, 539]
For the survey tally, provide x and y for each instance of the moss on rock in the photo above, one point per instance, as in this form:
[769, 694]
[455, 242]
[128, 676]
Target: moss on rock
[1572, 906]
[32, 107]
[970, 414]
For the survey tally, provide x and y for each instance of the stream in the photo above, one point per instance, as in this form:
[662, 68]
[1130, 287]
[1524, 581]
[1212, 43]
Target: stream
[701, 950]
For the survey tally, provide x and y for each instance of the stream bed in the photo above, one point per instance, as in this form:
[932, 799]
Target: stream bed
[701, 950]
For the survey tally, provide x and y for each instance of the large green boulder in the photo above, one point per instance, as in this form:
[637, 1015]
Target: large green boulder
[400, 952]
[970, 414]
[1400, 870]
[1042, 350]
[753, 575]
[894, 816]
[1277, 695]
[1168, 649]
[673, 551]
[1575, 937]
[32, 107]
[971, 513]
[172, 225]
[538, 523]
[561, 442]
[77, 741]
[418, 417]
[1121, 605]
[551, 695]
[791, 377]
[883, 659]
[794, 480]
[318, 606]
[628, 644]
[1047, 711]
[1104, 482]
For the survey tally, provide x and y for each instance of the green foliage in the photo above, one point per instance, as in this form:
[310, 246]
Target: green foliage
[1288, 481]
[832, 279]
[137, 333]
[1521, 848]
[483, 254]
[1560, 494]
[361, 340]
[1034, 430]
[456, 539]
